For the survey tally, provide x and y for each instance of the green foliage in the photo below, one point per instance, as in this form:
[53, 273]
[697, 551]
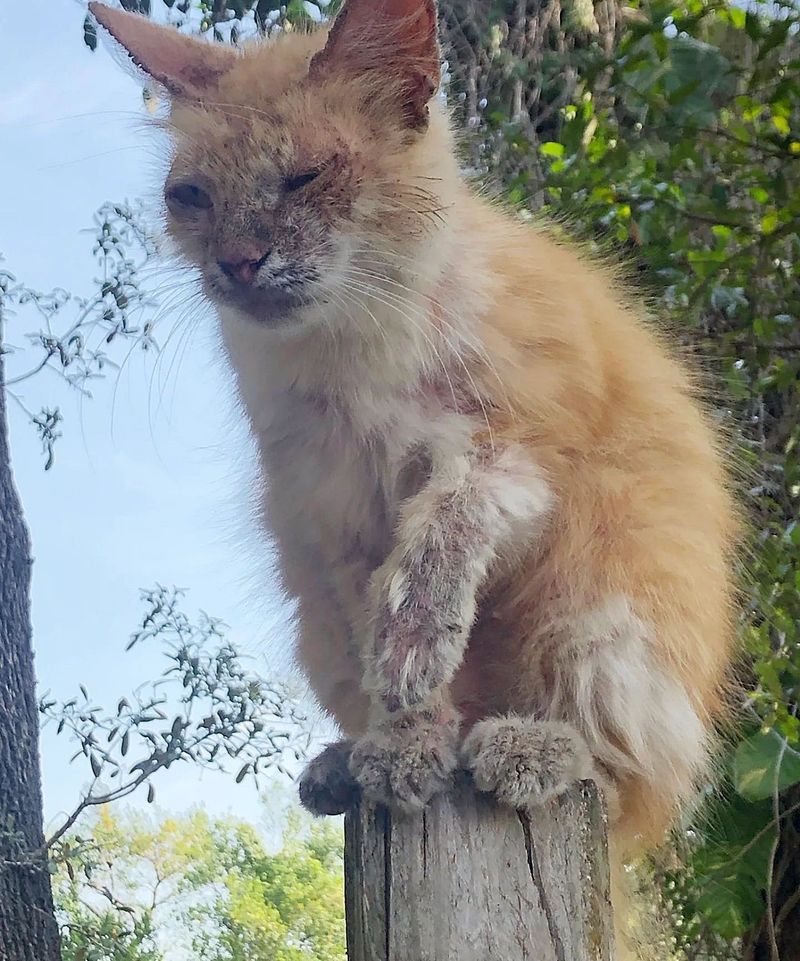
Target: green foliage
[213, 884]
[91, 935]
[763, 764]
[282, 906]
[718, 887]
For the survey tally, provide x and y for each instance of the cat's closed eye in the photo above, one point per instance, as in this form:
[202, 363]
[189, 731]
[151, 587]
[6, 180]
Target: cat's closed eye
[186, 195]
[296, 182]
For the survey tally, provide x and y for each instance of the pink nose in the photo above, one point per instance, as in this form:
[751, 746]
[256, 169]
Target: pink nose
[242, 271]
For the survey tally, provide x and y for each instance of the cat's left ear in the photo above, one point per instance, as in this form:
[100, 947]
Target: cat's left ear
[393, 41]
[185, 66]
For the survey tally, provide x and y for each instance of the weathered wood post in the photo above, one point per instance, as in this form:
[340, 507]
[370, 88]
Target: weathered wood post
[470, 881]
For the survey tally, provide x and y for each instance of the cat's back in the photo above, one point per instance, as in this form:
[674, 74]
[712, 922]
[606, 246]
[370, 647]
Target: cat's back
[577, 360]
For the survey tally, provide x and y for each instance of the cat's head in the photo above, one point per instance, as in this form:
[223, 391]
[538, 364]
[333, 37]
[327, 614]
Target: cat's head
[307, 168]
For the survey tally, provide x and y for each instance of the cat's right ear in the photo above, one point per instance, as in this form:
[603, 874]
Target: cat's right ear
[185, 66]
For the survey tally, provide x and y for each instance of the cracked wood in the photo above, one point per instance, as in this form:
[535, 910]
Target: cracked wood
[467, 880]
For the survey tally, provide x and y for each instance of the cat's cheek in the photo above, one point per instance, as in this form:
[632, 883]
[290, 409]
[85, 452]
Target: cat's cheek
[188, 239]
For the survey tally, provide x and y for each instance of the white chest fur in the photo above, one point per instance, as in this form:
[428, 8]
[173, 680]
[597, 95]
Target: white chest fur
[337, 458]
[329, 486]
[344, 438]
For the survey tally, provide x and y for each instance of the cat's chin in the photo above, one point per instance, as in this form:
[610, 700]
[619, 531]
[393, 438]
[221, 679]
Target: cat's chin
[273, 309]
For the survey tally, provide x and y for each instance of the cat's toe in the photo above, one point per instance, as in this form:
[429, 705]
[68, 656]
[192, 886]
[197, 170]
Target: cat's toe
[326, 786]
[403, 765]
[523, 761]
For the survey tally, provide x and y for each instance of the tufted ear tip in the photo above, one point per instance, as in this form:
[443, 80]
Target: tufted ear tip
[110, 18]
[184, 65]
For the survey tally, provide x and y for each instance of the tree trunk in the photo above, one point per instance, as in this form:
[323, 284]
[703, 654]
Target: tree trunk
[28, 929]
[467, 880]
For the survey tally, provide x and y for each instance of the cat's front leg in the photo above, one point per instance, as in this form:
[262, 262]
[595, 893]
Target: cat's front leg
[475, 506]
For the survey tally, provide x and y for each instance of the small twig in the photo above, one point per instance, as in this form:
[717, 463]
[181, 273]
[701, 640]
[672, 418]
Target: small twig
[776, 817]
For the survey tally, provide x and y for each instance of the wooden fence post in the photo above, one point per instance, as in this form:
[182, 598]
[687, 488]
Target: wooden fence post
[469, 881]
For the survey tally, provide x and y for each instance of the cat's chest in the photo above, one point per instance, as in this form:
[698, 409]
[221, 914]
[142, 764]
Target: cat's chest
[334, 482]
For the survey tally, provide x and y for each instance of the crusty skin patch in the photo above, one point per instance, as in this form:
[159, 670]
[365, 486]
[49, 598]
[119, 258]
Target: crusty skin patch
[425, 594]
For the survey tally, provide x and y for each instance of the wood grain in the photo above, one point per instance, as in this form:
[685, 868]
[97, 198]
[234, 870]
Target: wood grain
[467, 880]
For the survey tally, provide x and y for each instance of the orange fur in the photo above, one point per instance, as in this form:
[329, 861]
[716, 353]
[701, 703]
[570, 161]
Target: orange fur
[644, 506]
[435, 320]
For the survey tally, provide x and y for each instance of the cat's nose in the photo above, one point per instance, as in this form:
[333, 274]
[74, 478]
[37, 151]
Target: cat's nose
[242, 271]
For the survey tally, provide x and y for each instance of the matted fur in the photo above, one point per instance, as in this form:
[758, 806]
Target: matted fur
[490, 482]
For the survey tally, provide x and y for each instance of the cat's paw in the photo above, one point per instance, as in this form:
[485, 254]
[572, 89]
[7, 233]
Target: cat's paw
[523, 761]
[326, 786]
[406, 761]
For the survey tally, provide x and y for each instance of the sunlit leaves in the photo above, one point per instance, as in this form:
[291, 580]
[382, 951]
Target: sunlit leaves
[220, 891]
[552, 149]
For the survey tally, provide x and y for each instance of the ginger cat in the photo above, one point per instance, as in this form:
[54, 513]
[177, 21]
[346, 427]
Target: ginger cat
[495, 498]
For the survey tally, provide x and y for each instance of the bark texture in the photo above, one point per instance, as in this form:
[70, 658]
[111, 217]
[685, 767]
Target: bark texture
[28, 930]
[467, 880]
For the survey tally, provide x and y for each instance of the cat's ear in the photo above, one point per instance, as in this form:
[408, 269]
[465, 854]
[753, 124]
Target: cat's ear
[184, 65]
[397, 40]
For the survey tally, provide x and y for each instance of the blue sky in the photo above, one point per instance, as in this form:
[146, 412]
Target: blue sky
[155, 492]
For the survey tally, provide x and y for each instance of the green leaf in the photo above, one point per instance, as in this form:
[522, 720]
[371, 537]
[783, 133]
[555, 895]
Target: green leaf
[737, 17]
[781, 124]
[753, 26]
[722, 233]
[705, 262]
[730, 866]
[769, 222]
[552, 149]
[764, 763]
